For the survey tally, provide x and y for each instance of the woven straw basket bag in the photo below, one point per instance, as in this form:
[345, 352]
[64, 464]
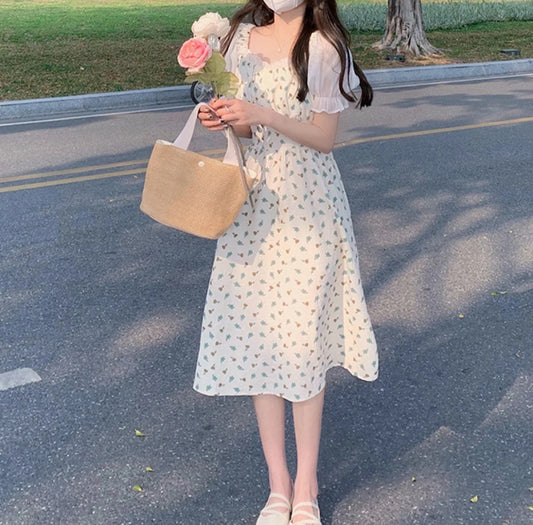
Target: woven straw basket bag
[194, 193]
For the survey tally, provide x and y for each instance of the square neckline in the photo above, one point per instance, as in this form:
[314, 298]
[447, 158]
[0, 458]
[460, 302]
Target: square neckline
[257, 55]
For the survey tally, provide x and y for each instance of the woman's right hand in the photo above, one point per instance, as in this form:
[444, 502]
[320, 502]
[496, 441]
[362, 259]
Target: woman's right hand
[209, 119]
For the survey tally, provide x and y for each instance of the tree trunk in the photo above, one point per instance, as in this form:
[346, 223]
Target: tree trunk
[405, 29]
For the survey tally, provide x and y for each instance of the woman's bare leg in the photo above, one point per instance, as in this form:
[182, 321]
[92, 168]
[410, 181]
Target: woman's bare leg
[307, 426]
[270, 412]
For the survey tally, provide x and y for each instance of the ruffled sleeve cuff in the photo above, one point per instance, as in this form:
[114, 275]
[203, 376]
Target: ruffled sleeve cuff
[328, 104]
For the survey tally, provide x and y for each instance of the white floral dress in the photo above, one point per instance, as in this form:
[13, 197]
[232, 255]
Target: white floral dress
[285, 301]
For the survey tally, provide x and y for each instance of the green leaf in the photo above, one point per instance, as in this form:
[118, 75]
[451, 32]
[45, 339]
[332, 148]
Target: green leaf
[214, 73]
[137, 488]
[474, 499]
[193, 77]
[233, 84]
[226, 83]
[138, 433]
[216, 64]
[221, 85]
[149, 469]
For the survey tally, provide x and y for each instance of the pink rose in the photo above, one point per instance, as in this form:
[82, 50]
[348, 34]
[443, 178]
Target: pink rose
[194, 53]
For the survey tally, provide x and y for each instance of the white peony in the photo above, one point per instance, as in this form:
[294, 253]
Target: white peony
[210, 24]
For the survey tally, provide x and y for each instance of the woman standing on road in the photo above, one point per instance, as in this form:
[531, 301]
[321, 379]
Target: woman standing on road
[285, 301]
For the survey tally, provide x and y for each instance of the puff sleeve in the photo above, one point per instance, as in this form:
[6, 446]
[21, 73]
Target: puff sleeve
[237, 48]
[323, 76]
[231, 56]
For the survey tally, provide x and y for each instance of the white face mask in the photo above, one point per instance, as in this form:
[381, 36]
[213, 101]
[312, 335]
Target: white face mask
[280, 6]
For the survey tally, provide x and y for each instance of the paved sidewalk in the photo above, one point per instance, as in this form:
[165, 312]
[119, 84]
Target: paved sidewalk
[179, 95]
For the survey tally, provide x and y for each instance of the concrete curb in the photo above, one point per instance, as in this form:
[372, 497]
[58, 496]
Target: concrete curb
[145, 98]
[122, 100]
[408, 75]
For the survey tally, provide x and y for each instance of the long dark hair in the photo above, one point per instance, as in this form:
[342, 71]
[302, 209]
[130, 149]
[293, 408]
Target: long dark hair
[320, 15]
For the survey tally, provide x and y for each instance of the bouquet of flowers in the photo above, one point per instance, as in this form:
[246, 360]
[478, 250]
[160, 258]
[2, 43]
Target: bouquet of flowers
[202, 59]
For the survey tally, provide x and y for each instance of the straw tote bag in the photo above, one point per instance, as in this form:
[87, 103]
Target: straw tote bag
[194, 193]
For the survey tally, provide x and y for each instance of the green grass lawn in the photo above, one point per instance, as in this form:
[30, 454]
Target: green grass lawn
[54, 48]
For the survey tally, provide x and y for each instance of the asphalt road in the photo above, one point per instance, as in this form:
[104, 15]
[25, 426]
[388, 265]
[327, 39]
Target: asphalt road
[105, 306]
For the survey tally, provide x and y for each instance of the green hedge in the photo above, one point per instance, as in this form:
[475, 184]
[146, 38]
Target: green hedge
[446, 15]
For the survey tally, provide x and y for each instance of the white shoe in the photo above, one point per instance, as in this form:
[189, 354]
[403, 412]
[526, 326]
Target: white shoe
[311, 519]
[277, 512]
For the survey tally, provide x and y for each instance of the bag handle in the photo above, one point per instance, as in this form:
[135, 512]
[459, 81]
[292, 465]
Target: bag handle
[234, 154]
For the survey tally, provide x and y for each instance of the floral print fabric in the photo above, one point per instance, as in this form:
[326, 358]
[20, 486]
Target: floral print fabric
[285, 301]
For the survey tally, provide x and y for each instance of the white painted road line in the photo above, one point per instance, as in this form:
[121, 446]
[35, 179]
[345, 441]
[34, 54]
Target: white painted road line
[18, 377]
[96, 115]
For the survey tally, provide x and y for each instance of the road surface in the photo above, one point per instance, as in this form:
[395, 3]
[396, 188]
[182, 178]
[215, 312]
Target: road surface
[100, 313]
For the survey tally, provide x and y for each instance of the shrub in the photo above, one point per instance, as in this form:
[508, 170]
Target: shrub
[437, 15]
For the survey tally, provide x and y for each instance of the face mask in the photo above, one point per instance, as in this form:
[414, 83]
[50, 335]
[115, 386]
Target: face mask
[280, 6]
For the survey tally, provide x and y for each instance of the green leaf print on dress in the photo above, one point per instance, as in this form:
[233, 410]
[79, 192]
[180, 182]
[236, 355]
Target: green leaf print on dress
[285, 301]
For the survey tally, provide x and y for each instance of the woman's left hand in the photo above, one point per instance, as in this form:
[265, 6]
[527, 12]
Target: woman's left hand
[239, 112]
